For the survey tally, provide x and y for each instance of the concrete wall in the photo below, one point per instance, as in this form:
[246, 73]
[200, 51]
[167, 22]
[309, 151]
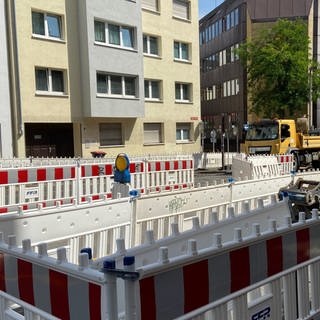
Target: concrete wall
[5, 107]
[110, 59]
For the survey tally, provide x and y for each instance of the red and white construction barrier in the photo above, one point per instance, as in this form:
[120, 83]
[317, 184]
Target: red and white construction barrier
[25, 188]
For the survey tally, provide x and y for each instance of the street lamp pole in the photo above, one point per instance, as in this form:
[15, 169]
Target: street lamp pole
[310, 104]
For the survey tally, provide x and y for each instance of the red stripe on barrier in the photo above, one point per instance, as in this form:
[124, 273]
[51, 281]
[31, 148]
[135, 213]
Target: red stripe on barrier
[3, 177]
[176, 187]
[191, 164]
[59, 294]
[108, 169]
[132, 167]
[167, 165]
[141, 167]
[96, 197]
[184, 185]
[2, 274]
[3, 210]
[22, 176]
[41, 174]
[158, 166]
[95, 301]
[149, 166]
[83, 199]
[274, 254]
[176, 165]
[303, 245]
[58, 173]
[239, 269]
[25, 207]
[167, 188]
[83, 171]
[109, 195]
[147, 299]
[25, 281]
[158, 189]
[94, 170]
[73, 172]
[196, 288]
[184, 164]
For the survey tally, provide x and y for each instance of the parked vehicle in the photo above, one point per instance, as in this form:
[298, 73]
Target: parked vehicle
[283, 136]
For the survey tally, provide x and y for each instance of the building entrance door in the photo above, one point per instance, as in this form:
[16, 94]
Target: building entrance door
[49, 140]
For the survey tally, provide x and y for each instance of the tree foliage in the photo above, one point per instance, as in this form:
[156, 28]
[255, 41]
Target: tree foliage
[280, 72]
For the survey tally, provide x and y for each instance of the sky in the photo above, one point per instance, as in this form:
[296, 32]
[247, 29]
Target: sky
[205, 6]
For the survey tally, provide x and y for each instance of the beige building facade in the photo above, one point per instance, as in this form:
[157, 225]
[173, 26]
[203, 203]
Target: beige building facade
[88, 76]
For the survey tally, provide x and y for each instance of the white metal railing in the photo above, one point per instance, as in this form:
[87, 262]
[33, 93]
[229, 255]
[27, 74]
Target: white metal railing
[272, 298]
[12, 308]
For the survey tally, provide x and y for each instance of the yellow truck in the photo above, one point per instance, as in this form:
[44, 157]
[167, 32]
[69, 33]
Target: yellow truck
[283, 136]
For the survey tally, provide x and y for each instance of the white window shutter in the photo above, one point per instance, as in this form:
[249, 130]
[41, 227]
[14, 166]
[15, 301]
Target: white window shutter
[150, 4]
[181, 9]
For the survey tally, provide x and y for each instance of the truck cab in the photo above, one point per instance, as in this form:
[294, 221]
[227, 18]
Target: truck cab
[270, 137]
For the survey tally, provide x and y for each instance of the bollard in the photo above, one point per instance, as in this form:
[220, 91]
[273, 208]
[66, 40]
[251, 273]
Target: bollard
[302, 217]
[42, 250]
[237, 235]
[88, 251]
[192, 247]
[61, 255]
[121, 246]
[12, 241]
[256, 230]
[315, 214]
[272, 225]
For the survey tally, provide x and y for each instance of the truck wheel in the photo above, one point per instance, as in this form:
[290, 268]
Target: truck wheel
[296, 163]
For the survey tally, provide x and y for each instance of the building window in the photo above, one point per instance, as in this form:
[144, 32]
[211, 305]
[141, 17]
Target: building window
[181, 51]
[151, 45]
[181, 9]
[231, 88]
[46, 25]
[183, 92]
[110, 134]
[116, 85]
[49, 80]
[114, 35]
[152, 5]
[232, 19]
[152, 133]
[183, 133]
[152, 89]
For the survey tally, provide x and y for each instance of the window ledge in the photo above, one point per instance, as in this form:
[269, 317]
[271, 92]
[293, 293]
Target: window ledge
[112, 146]
[182, 61]
[101, 44]
[152, 56]
[181, 19]
[51, 94]
[52, 39]
[153, 100]
[183, 102]
[100, 95]
[154, 144]
[184, 142]
[151, 11]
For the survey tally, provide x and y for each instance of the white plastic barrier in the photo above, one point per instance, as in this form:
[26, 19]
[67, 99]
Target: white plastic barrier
[212, 160]
[24, 188]
[261, 166]
[166, 285]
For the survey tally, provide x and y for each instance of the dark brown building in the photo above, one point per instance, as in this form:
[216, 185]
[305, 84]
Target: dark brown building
[224, 101]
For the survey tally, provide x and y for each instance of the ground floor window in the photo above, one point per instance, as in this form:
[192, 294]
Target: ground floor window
[153, 133]
[183, 132]
[110, 134]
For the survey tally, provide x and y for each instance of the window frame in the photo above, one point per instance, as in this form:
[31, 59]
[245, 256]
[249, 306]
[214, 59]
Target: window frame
[180, 43]
[157, 10]
[188, 10]
[46, 26]
[150, 98]
[161, 133]
[182, 100]
[50, 82]
[148, 53]
[181, 126]
[121, 130]
[107, 36]
[123, 94]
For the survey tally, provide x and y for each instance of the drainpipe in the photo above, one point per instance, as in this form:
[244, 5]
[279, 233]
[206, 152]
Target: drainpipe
[15, 74]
